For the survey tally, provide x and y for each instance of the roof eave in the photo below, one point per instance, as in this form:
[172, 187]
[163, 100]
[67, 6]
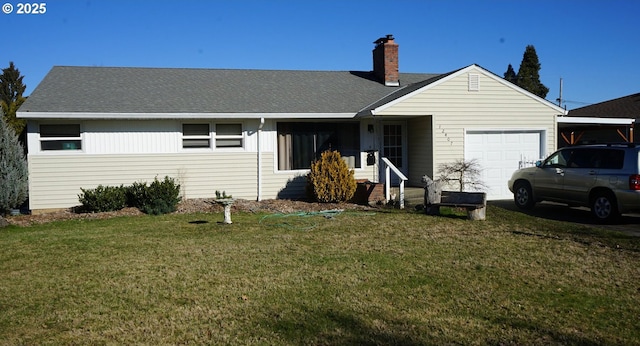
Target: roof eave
[156, 116]
[595, 120]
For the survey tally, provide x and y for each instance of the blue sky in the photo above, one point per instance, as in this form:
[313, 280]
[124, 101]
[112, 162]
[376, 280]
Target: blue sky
[593, 45]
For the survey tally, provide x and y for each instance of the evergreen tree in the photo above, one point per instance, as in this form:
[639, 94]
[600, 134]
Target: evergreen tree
[330, 180]
[11, 90]
[13, 168]
[511, 75]
[529, 73]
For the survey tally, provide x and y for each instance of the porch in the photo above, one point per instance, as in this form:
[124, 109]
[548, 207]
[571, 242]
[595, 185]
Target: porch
[413, 196]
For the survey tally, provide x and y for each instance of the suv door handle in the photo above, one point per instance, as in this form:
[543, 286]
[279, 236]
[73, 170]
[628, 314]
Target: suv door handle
[592, 173]
[560, 171]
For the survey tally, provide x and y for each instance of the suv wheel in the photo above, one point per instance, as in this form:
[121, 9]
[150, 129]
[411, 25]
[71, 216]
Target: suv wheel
[604, 207]
[522, 195]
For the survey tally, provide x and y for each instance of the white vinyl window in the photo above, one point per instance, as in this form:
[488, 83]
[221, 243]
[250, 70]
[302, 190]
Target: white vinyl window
[229, 136]
[60, 137]
[196, 136]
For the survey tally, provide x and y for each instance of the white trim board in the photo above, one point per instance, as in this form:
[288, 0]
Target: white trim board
[592, 120]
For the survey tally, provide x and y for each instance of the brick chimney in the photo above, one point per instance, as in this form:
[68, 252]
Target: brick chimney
[385, 61]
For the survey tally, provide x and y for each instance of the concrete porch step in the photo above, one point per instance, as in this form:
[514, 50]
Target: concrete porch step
[412, 195]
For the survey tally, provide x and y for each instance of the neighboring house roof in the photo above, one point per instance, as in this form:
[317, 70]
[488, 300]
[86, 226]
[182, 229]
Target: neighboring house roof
[623, 107]
[111, 90]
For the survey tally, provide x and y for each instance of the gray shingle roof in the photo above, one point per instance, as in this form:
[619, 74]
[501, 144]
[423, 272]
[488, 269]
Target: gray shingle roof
[182, 90]
[623, 107]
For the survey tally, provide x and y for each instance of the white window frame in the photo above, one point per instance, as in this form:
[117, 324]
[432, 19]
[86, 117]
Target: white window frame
[42, 139]
[240, 137]
[207, 137]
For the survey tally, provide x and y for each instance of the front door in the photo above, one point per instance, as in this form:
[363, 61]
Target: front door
[394, 147]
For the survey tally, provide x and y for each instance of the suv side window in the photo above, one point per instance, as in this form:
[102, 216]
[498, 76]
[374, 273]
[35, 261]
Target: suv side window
[610, 158]
[557, 160]
[584, 158]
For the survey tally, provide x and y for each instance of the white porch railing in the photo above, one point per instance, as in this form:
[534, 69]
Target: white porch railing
[389, 167]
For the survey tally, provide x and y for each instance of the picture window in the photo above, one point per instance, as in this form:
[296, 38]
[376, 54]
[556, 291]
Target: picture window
[301, 143]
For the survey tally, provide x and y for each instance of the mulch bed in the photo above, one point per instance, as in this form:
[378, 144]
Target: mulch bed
[188, 206]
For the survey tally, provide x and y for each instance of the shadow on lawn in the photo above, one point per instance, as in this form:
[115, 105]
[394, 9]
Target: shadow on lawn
[623, 235]
[339, 328]
[541, 334]
[198, 222]
[628, 223]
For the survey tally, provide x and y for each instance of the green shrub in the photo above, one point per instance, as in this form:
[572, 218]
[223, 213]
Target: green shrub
[136, 194]
[160, 197]
[103, 198]
[330, 179]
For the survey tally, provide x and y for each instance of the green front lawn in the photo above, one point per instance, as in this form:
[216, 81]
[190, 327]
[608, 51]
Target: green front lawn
[366, 278]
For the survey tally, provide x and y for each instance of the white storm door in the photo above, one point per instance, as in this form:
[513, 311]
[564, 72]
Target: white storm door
[394, 147]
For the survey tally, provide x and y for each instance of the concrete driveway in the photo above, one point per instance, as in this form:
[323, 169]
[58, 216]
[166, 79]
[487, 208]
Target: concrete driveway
[628, 223]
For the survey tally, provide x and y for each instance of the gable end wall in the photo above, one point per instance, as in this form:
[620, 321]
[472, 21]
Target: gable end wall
[454, 109]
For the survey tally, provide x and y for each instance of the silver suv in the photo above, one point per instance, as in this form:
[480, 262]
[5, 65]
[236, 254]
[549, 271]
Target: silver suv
[605, 178]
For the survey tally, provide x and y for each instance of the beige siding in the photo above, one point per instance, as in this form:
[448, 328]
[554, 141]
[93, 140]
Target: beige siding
[419, 150]
[455, 109]
[277, 183]
[55, 181]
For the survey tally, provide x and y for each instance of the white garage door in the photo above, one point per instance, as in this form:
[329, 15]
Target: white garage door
[500, 153]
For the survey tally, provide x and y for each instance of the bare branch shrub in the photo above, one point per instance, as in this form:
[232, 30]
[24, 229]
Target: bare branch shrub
[464, 175]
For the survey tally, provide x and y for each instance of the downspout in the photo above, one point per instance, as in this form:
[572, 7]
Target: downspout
[376, 146]
[260, 159]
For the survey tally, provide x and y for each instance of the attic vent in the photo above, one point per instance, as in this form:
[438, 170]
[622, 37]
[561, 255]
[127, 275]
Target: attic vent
[474, 82]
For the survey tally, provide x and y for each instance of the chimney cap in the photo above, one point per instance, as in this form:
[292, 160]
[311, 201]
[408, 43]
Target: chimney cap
[381, 40]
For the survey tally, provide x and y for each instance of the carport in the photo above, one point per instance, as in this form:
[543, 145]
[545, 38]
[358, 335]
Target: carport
[593, 130]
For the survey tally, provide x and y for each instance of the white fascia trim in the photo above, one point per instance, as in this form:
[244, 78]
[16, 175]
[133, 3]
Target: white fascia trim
[147, 116]
[504, 129]
[599, 121]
